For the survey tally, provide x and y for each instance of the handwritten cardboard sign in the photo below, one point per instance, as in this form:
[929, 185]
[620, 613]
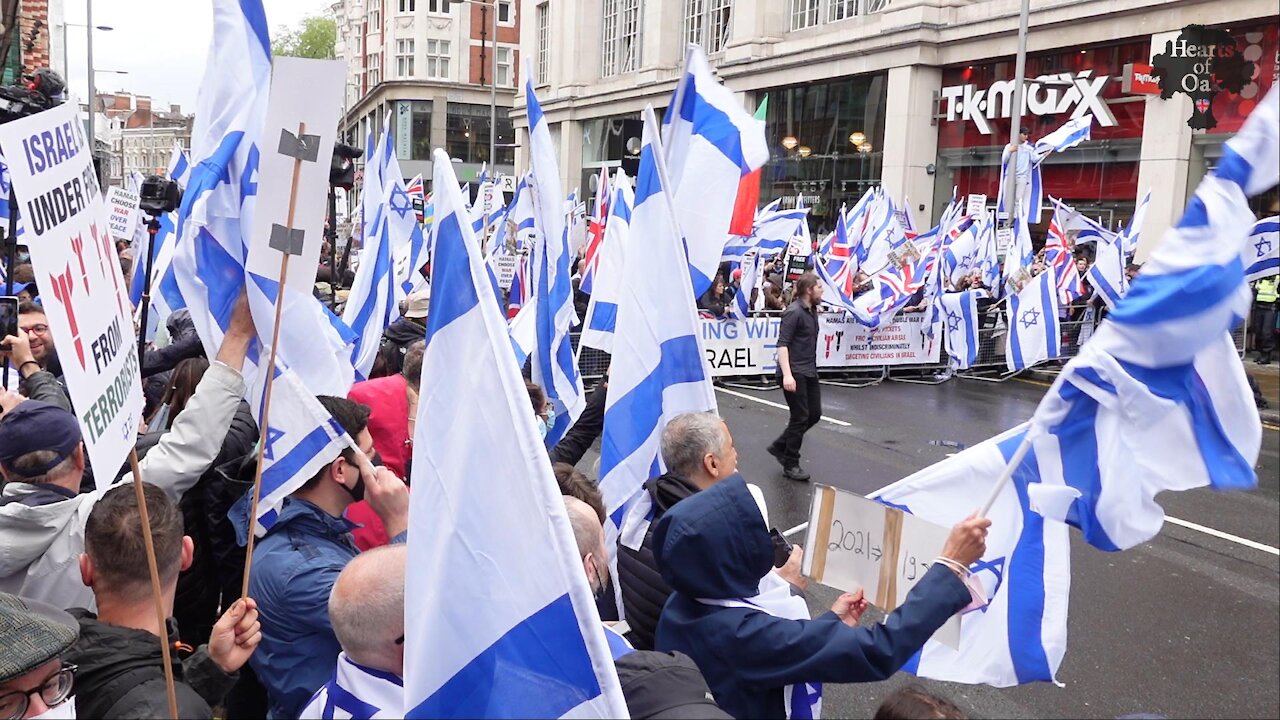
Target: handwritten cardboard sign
[75, 262]
[977, 206]
[856, 543]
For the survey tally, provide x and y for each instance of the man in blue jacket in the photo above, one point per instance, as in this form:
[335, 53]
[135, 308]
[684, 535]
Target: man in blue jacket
[720, 550]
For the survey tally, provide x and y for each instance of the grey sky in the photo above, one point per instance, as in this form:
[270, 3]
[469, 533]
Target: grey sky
[161, 43]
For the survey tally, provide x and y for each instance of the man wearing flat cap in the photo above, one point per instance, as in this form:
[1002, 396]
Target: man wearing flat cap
[34, 682]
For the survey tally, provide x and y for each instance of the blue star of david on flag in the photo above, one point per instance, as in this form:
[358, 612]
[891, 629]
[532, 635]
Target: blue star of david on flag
[1030, 318]
[273, 434]
[996, 568]
[953, 322]
[400, 201]
[1263, 247]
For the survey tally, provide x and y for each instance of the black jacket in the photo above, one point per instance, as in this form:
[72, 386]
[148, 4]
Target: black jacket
[584, 431]
[121, 674]
[664, 685]
[397, 338]
[643, 590]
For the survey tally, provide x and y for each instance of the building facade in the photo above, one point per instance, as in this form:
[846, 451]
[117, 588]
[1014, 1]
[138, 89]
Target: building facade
[141, 135]
[428, 65]
[914, 95]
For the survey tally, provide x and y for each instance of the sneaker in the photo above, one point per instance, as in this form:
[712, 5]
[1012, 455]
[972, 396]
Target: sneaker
[777, 455]
[797, 473]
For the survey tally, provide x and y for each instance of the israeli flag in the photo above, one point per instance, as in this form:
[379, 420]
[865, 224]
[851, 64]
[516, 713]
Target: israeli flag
[517, 634]
[1261, 254]
[555, 367]
[711, 144]
[771, 233]
[301, 438]
[356, 691]
[1019, 255]
[374, 301]
[960, 313]
[1132, 232]
[1107, 275]
[408, 242]
[1021, 636]
[4, 199]
[217, 214]
[602, 311]
[1158, 399]
[1033, 323]
[740, 308]
[658, 370]
[1072, 133]
[884, 233]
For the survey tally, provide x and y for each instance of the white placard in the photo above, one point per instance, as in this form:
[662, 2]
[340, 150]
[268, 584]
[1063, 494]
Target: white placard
[507, 183]
[855, 543]
[122, 212]
[1004, 237]
[505, 265]
[74, 259]
[977, 206]
[307, 94]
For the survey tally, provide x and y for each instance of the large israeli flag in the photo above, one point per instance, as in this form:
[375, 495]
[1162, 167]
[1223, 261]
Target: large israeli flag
[602, 311]
[658, 370]
[1261, 255]
[1158, 399]
[375, 292]
[1033, 323]
[217, 213]
[555, 367]
[711, 144]
[1021, 636]
[771, 233]
[517, 633]
[960, 312]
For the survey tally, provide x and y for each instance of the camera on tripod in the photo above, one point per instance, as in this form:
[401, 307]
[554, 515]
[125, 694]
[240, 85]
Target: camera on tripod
[159, 195]
[43, 90]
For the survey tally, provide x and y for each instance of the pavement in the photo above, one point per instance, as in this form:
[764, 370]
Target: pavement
[1186, 625]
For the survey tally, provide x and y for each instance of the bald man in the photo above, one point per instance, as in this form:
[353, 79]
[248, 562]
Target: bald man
[366, 609]
[654, 684]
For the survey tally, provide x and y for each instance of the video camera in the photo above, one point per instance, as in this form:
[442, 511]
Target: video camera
[159, 195]
[43, 90]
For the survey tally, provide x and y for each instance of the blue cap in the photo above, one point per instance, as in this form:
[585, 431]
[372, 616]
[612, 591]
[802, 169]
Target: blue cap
[33, 426]
[19, 287]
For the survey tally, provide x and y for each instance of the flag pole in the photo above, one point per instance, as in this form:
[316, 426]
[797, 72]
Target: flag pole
[271, 372]
[682, 87]
[1019, 95]
[156, 594]
[1007, 475]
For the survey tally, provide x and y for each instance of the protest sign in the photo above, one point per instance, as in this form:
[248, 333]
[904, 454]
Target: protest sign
[74, 259]
[857, 543]
[1004, 237]
[122, 218]
[301, 124]
[977, 206]
[505, 265]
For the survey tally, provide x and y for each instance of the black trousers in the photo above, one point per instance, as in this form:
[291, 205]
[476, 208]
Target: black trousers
[806, 409]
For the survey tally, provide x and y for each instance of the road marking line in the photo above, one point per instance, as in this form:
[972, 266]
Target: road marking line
[1033, 382]
[1270, 427]
[1225, 536]
[771, 403]
[837, 383]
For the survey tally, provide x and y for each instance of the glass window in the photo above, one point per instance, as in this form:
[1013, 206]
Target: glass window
[375, 17]
[414, 119]
[506, 63]
[841, 9]
[620, 39]
[693, 17]
[706, 23]
[404, 58]
[438, 59]
[440, 7]
[506, 12]
[804, 13]
[544, 43]
[407, 6]
[372, 66]
[467, 134]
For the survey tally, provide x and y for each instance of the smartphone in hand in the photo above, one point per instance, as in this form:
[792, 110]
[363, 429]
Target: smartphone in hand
[8, 318]
[781, 548]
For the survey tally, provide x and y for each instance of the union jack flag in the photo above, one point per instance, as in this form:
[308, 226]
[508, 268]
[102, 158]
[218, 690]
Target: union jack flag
[595, 233]
[417, 196]
[520, 291]
[1057, 255]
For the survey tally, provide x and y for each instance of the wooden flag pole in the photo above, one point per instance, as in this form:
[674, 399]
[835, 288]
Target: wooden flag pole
[156, 594]
[271, 372]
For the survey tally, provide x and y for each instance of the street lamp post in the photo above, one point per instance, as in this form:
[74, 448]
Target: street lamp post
[493, 81]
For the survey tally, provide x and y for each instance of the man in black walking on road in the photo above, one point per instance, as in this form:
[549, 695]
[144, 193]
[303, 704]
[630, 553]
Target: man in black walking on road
[798, 365]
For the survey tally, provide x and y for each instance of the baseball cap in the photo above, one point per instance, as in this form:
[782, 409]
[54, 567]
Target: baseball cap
[34, 425]
[32, 633]
[18, 287]
[416, 305]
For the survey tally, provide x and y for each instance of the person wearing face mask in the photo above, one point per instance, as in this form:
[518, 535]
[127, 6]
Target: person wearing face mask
[35, 682]
[654, 684]
[296, 563]
[544, 414]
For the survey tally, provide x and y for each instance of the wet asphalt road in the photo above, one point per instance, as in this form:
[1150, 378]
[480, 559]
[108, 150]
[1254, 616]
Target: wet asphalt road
[1184, 626]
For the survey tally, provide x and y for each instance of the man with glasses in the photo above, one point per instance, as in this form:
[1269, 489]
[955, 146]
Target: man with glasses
[34, 681]
[31, 355]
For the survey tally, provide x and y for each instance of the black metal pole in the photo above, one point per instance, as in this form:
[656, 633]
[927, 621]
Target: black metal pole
[333, 248]
[153, 227]
[10, 240]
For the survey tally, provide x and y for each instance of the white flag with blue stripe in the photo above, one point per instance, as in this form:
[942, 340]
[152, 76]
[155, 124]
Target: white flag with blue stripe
[1261, 254]
[1021, 636]
[711, 144]
[1158, 399]
[657, 370]
[1034, 334]
[602, 311]
[1106, 274]
[960, 313]
[1132, 233]
[517, 633]
[555, 366]
[771, 233]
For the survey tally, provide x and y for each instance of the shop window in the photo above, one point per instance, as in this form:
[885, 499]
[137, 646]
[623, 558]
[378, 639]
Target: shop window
[467, 134]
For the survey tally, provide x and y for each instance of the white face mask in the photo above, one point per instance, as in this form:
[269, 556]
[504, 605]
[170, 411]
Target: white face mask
[65, 711]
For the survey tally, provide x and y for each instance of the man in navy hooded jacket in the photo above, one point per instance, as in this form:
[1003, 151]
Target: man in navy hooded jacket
[715, 546]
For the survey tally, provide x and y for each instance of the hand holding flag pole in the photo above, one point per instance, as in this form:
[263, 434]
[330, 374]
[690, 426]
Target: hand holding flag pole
[289, 241]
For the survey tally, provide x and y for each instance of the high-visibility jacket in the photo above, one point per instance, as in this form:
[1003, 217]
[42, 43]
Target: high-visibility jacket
[1267, 291]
